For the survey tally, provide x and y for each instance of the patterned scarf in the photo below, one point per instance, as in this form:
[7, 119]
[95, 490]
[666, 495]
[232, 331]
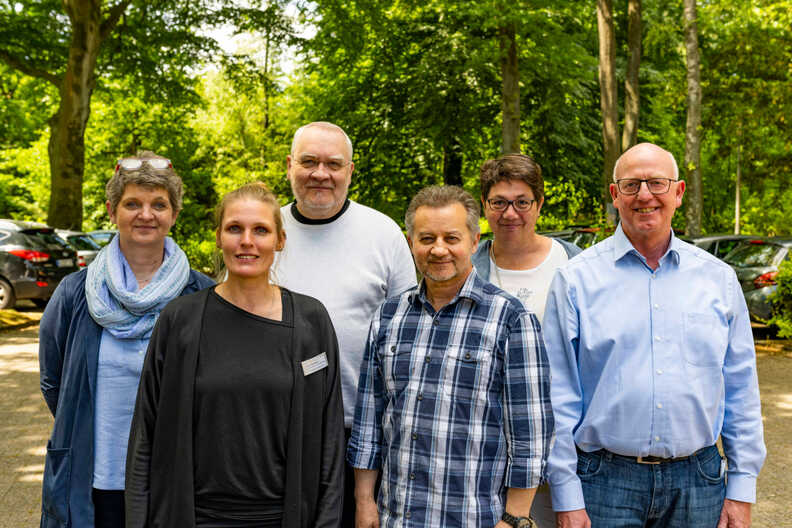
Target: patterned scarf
[115, 302]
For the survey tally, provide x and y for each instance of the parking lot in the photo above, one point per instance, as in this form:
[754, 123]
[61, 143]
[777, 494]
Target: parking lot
[25, 425]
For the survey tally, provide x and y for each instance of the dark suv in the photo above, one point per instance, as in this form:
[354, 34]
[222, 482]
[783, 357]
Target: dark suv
[33, 260]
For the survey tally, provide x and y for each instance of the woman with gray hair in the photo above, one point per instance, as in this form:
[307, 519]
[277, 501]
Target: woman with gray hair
[93, 338]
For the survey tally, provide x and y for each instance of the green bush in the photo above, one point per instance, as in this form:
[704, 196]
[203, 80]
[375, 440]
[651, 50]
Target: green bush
[781, 300]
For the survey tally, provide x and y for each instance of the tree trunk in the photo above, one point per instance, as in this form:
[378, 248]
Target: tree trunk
[452, 163]
[67, 126]
[737, 191]
[510, 90]
[608, 94]
[693, 128]
[631, 90]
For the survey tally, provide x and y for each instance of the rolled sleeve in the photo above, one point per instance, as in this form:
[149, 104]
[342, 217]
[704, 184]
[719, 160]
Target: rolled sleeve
[528, 415]
[742, 433]
[365, 444]
[561, 339]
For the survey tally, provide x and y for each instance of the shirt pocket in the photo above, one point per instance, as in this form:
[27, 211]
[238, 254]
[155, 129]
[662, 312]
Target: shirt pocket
[705, 339]
[466, 373]
[395, 366]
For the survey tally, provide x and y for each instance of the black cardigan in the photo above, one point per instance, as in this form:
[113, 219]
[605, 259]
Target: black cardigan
[159, 473]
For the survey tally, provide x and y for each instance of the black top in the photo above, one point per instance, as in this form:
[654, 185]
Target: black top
[243, 386]
[160, 467]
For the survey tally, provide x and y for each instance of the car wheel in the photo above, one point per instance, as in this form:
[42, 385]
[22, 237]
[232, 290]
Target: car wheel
[40, 303]
[7, 297]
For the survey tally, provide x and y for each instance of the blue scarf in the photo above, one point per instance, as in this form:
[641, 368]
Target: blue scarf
[115, 302]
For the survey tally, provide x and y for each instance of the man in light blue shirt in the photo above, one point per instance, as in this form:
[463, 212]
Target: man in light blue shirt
[652, 359]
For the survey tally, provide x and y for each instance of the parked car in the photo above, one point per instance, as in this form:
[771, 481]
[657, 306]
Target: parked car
[582, 237]
[718, 245]
[102, 236]
[83, 244]
[756, 263]
[33, 260]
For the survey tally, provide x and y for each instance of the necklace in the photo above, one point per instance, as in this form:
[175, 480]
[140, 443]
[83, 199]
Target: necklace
[495, 265]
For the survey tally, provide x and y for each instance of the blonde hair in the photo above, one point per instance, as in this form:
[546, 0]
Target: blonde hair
[250, 191]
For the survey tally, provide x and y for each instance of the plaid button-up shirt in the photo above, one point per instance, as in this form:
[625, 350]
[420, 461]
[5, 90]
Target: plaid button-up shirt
[453, 406]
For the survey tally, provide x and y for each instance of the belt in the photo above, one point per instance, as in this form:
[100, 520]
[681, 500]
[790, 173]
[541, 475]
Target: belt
[653, 459]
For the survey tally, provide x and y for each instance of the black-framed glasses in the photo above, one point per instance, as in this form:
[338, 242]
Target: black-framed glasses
[501, 204]
[633, 185]
[332, 165]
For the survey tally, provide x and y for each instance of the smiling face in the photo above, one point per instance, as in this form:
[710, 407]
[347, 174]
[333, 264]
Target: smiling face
[144, 216]
[442, 244]
[320, 191]
[646, 217]
[248, 238]
[511, 225]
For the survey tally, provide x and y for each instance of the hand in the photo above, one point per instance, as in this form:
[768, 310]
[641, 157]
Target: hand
[735, 514]
[502, 524]
[573, 519]
[366, 514]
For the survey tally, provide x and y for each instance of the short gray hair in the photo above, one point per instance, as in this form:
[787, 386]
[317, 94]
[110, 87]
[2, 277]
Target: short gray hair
[673, 161]
[145, 176]
[440, 196]
[325, 125]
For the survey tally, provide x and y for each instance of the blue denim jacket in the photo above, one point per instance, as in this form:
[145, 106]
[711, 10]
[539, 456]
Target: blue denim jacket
[68, 357]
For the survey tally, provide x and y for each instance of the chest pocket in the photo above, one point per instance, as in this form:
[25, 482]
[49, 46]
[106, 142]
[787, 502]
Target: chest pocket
[467, 372]
[706, 337]
[395, 364]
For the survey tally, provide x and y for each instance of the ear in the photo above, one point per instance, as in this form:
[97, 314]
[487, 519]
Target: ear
[680, 190]
[476, 241]
[281, 242]
[614, 192]
[110, 212]
[351, 167]
[539, 205]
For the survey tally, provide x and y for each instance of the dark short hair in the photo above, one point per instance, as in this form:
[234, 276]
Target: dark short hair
[440, 196]
[512, 167]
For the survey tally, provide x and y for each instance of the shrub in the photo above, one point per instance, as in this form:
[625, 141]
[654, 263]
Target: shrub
[781, 300]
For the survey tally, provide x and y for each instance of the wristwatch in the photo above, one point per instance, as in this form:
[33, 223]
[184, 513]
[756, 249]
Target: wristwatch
[517, 522]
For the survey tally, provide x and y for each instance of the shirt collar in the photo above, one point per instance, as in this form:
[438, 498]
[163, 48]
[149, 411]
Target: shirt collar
[622, 246]
[471, 289]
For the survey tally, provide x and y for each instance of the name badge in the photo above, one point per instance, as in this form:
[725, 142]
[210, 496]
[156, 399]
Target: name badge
[314, 364]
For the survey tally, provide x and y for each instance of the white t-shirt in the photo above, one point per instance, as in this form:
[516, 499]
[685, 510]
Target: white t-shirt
[351, 265]
[531, 285]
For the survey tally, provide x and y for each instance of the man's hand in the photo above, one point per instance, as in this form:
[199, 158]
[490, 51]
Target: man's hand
[735, 514]
[573, 519]
[502, 524]
[366, 514]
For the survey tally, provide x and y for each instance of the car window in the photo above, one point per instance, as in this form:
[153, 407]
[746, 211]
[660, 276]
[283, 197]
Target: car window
[42, 239]
[83, 243]
[753, 255]
[4, 235]
[725, 246]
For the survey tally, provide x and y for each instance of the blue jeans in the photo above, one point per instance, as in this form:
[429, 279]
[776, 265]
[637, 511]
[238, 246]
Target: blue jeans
[620, 493]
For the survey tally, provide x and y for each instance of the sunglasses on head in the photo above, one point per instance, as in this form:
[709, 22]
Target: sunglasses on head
[136, 163]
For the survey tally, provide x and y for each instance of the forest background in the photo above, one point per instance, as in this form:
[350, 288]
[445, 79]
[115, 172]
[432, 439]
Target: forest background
[426, 90]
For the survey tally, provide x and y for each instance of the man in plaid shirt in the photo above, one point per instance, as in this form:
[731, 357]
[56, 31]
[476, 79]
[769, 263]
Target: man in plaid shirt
[454, 397]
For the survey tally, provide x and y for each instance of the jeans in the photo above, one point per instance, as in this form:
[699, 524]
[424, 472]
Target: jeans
[620, 493]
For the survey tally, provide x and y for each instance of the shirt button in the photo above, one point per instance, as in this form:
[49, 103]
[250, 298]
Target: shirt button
[657, 438]
[428, 359]
[420, 396]
[659, 371]
[435, 322]
[407, 515]
[656, 306]
[467, 356]
[415, 436]
[412, 476]
[393, 349]
[659, 405]
[658, 338]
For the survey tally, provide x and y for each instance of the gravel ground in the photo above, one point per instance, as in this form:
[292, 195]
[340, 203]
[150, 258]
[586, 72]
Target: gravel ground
[25, 424]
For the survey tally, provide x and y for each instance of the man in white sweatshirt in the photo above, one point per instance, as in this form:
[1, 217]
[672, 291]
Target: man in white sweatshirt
[345, 254]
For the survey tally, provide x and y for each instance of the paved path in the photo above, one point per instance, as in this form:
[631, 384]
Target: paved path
[25, 425]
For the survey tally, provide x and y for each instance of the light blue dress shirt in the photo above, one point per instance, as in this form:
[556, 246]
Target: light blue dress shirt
[651, 363]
